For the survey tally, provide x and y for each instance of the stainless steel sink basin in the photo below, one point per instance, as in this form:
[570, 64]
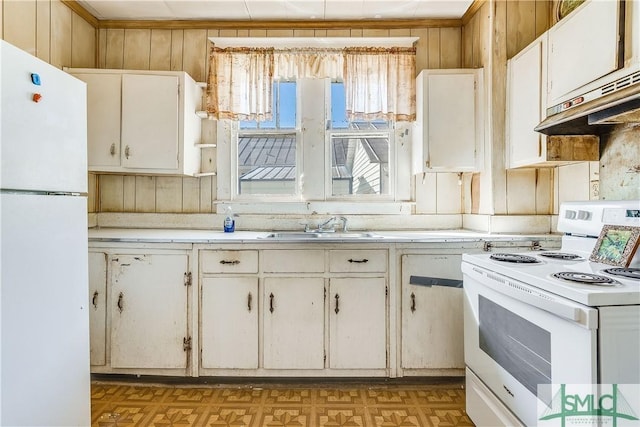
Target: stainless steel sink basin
[298, 235]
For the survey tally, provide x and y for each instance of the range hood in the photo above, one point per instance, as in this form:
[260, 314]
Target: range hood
[612, 103]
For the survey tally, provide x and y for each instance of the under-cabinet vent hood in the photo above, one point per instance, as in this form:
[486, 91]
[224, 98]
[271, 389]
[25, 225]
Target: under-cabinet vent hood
[615, 102]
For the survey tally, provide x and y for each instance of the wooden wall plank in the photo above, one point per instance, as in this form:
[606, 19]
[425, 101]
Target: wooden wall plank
[83, 43]
[111, 193]
[426, 197]
[342, 32]
[543, 15]
[433, 48]
[195, 56]
[177, 46]
[544, 191]
[129, 193]
[2, 20]
[207, 194]
[521, 188]
[115, 49]
[281, 32]
[229, 33]
[422, 49]
[190, 195]
[168, 194]
[137, 46]
[102, 48]
[375, 32]
[160, 50]
[450, 47]
[61, 34]
[307, 32]
[400, 32]
[43, 30]
[145, 194]
[92, 192]
[258, 33]
[20, 24]
[448, 193]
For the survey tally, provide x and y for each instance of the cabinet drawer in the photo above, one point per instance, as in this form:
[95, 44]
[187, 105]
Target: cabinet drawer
[365, 261]
[229, 261]
[293, 261]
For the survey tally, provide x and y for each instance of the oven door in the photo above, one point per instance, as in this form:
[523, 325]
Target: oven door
[519, 340]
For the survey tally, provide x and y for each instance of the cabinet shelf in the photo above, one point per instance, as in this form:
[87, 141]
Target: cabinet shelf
[206, 145]
[202, 114]
[200, 174]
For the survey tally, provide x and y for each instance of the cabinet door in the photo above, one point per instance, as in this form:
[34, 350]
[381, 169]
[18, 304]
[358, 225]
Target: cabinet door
[293, 323]
[98, 307]
[148, 311]
[104, 92]
[357, 318]
[229, 322]
[583, 47]
[432, 318]
[450, 126]
[526, 104]
[150, 121]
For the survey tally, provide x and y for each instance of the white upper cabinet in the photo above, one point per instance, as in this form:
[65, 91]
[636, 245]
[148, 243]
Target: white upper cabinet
[582, 48]
[142, 122]
[526, 104]
[448, 131]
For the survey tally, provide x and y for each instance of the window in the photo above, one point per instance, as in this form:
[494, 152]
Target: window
[342, 159]
[359, 151]
[267, 150]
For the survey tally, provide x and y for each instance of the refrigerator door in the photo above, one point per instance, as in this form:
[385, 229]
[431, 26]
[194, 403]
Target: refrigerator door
[44, 369]
[44, 143]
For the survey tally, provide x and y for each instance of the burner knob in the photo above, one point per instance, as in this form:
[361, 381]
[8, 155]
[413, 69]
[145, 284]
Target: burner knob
[570, 214]
[584, 215]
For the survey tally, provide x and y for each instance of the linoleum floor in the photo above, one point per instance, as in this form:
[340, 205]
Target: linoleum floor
[271, 405]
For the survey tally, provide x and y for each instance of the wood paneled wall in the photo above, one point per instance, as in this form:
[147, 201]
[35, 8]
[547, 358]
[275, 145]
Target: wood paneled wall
[498, 31]
[187, 50]
[54, 33]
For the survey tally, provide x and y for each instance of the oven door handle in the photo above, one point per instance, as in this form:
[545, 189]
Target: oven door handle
[584, 316]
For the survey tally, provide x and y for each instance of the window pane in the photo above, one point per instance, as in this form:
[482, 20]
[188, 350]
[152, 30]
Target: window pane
[359, 165]
[287, 105]
[338, 106]
[267, 164]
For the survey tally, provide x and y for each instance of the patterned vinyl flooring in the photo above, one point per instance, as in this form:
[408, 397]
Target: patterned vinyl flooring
[292, 405]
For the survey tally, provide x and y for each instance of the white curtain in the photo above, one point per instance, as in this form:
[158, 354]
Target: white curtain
[239, 84]
[380, 83]
[291, 64]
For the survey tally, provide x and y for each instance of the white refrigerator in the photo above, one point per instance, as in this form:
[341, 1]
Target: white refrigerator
[44, 353]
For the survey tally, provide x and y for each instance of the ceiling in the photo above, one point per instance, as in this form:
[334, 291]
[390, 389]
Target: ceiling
[274, 10]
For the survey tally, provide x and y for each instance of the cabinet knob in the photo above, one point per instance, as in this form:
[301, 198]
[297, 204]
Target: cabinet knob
[112, 149]
[94, 300]
[126, 152]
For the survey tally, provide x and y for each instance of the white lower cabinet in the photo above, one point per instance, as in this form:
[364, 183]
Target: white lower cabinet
[148, 309]
[432, 319]
[98, 308]
[357, 323]
[293, 316]
[229, 323]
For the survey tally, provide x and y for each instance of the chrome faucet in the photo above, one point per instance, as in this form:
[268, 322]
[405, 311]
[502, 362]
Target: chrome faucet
[321, 227]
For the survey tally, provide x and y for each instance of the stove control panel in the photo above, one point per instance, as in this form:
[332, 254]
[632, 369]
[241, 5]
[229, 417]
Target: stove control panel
[621, 216]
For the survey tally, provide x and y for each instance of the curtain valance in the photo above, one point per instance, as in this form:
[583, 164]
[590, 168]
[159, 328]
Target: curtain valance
[379, 82]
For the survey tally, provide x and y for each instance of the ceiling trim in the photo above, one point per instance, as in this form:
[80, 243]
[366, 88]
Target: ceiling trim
[313, 42]
[473, 9]
[84, 13]
[291, 25]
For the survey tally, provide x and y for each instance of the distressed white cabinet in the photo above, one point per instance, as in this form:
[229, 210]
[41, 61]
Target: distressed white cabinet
[448, 131]
[583, 47]
[229, 322]
[148, 309]
[293, 316]
[526, 105]
[98, 308]
[142, 122]
[432, 317]
[357, 323]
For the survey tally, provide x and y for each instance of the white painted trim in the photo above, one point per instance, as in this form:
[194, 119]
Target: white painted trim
[313, 42]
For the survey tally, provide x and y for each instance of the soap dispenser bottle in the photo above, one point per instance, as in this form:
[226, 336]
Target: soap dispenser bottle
[229, 222]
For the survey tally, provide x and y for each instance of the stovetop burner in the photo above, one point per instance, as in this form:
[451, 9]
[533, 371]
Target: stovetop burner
[515, 258]
[584, 278]
[561, 255]
[630, 273]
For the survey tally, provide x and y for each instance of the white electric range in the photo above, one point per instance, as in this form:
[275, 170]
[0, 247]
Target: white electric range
[537, 319]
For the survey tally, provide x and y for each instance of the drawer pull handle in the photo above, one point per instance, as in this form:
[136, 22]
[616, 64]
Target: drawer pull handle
[337, 310]
[359, 261]
[120, 302]
[271, 302]
[413, 302]
[94, 300]
[234, 262]
[249, 298]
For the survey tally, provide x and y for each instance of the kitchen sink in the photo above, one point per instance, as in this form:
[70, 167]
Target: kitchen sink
[300, 235]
